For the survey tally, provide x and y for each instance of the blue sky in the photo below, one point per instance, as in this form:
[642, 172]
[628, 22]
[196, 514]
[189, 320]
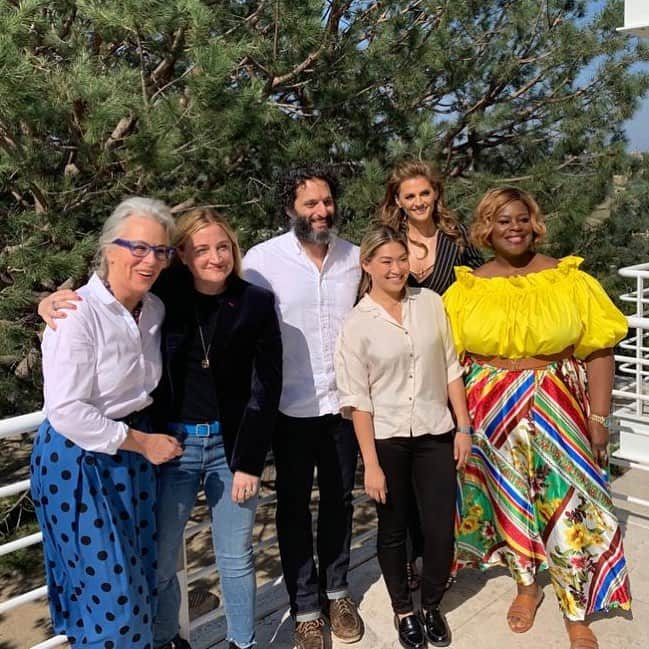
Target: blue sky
[637, 129]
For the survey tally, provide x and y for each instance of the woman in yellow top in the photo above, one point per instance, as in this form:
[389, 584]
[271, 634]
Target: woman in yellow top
[536, 335]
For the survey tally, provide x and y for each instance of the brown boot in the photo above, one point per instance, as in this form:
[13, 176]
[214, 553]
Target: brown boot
[346, 623]
[310, 635]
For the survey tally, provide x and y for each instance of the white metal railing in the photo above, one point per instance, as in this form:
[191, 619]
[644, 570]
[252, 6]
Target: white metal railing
[631, 394]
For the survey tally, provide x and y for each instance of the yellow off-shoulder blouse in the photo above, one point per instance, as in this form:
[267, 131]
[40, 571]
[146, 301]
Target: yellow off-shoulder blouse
[536, 314]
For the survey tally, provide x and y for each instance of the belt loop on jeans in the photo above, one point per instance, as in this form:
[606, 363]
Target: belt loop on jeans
[197, 430]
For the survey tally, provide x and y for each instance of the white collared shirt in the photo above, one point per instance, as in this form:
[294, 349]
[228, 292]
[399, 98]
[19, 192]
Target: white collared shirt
[398, 372]
[99, 365]
[312, 306]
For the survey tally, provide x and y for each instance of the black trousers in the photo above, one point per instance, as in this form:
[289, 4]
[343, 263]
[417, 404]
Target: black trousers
[420, 467]
[415, 538]
[301, 445]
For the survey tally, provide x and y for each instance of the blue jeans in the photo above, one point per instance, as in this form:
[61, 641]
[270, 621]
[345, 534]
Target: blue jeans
[203, 464]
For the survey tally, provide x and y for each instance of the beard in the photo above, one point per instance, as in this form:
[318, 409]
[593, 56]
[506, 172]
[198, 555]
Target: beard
[306, 234]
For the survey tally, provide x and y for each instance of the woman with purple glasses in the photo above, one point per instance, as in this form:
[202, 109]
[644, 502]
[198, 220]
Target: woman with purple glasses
[92, 473]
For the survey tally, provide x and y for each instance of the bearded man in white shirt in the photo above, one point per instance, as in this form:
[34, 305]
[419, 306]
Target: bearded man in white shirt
[314, 275]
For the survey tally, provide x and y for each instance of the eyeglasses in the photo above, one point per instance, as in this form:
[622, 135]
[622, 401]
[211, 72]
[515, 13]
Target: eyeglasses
[142, 249]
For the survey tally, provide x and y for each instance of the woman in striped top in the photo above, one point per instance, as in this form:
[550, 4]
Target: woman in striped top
[414, 204]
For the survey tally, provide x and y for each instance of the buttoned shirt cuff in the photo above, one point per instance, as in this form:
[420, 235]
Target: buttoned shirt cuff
[112, 445]
[352, 402]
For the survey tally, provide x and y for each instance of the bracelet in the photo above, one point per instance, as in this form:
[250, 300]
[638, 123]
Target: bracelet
[467, 430]
[599, 419]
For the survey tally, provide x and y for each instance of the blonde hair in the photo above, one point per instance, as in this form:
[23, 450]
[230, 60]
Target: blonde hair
[377, 236]
[199, 218]
[492, 203]
[396, 217]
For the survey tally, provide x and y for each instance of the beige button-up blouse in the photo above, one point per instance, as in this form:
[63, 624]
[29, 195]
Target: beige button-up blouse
[398, 372]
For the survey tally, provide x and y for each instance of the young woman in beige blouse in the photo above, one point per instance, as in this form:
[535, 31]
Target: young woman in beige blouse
[397, 370]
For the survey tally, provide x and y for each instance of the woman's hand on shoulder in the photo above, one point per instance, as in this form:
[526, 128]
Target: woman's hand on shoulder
[56, 304]
[375, 484]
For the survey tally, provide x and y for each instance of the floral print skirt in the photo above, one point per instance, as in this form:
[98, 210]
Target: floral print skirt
[532, 497]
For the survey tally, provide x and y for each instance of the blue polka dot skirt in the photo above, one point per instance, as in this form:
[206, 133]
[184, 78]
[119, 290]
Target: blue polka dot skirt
[98, 521]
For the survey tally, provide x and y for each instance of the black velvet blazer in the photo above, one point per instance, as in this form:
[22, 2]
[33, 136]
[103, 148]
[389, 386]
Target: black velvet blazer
[245, 358]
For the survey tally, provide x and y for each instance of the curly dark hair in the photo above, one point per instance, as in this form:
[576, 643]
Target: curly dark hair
[288, 183]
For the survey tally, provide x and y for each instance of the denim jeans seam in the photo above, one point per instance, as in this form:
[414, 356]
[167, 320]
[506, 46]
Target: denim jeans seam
[206, 463]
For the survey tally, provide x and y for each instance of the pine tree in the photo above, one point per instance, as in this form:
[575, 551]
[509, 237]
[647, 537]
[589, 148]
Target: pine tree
[203, 101]
[622, 238]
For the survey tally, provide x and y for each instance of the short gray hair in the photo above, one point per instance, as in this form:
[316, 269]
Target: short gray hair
[135, 205]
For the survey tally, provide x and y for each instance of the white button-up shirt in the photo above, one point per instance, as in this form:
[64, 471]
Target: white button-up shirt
[398, 372]
[312, 306]
[99, 365]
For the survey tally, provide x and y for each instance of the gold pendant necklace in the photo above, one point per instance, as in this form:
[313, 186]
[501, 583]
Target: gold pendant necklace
[420, 274]
[205, 363]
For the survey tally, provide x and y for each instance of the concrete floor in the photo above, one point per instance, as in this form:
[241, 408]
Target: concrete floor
[477, 603]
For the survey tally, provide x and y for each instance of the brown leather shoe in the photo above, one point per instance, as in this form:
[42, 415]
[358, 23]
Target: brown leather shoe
[346, 623]
[310, 635]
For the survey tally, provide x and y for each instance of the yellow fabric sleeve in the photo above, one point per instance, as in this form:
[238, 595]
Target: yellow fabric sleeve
[604, 325]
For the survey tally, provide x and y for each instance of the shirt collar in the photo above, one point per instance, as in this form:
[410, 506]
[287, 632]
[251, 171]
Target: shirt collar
[98, 287]
[366, 303]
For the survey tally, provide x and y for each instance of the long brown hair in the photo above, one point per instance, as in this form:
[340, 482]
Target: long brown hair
[394, 216]
[377, 236]
[199, 218]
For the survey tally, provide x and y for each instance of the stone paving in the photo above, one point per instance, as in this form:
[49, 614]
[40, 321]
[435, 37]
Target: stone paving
[477, 604]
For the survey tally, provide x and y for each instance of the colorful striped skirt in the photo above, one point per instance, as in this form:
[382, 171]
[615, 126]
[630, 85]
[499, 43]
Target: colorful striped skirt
[532, 496]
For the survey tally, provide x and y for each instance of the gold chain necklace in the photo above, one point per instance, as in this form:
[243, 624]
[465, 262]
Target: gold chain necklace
[430, 245]
[420, 274]
[205, 363]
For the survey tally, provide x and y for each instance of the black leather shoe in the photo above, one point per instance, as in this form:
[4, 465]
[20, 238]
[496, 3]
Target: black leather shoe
[411, 633]
[436, 628]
